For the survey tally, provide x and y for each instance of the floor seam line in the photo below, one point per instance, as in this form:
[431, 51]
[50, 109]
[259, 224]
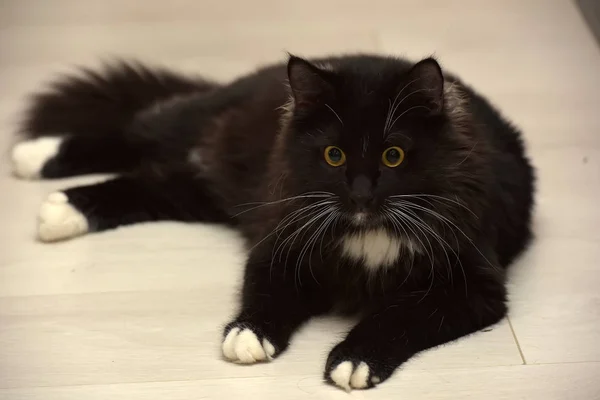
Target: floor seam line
[512, 330]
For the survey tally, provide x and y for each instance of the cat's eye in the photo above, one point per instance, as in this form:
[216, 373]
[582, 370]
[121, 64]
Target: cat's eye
[334, 156]
[392, 156]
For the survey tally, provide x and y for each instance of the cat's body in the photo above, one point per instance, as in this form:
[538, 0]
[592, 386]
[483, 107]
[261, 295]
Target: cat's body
[416, 240]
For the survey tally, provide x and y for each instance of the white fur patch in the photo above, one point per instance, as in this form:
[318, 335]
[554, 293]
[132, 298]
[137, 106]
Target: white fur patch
[58, 220]
[347, 377]
[242, 346]
[29, 157]
[360, 376]
[375, 248]
[341, 375]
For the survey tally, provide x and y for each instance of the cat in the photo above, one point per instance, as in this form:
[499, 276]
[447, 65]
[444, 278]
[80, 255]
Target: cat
[363, 184]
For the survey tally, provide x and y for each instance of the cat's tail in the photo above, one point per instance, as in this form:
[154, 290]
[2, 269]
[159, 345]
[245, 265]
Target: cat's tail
[77, 125]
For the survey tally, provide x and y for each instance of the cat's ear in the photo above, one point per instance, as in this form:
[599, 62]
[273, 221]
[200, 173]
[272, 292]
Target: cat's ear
[426, 80]
[309, 84]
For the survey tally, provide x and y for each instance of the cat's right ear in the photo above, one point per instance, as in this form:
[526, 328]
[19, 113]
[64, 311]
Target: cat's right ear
[427, 84]
[309, 84]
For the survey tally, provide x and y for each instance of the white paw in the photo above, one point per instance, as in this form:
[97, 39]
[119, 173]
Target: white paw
[242, 346]
[346, 376]
[29, 157]
[57, 219]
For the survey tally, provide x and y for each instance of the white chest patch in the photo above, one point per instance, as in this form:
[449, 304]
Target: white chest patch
[374, 248]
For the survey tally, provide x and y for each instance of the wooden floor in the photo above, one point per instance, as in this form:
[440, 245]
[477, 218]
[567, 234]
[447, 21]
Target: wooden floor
[137, 313]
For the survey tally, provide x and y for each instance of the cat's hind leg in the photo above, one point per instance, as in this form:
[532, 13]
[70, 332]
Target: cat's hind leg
[124, 201]
[80, 124]
[61, 156]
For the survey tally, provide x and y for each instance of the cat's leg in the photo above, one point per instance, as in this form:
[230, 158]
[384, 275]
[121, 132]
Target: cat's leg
[125, 201]
[49, 157]
[407, 325]
[80, 123]
[273, 307]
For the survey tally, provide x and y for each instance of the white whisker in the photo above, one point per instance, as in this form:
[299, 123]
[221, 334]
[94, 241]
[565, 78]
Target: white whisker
[397, 225]
[441, 217]
[296, 216]
[407, 206]
[403, 218]
[336, 114]
[406, 218]
[405, 111]
[435, 197]
[313, 239]
[394, 107]
[277, 229]
[302, 252]
[290, 240]
[309, 195]
[387, 117]
[468, 154]
[443, 243]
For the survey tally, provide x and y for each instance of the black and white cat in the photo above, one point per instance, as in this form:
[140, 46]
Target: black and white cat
[363, 184]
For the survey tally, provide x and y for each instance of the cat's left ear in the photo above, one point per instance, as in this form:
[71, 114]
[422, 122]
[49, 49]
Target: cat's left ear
[309, 84]
[427, 83]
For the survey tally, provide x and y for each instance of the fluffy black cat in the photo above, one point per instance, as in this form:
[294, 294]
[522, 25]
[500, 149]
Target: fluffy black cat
[364, 184]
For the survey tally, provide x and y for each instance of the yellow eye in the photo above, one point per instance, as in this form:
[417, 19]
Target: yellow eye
[392, 157]
[334, 156]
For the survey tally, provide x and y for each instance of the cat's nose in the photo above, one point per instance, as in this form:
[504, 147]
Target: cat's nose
[361, 191]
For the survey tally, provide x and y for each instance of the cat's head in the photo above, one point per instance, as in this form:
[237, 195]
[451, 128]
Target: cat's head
[378, 134]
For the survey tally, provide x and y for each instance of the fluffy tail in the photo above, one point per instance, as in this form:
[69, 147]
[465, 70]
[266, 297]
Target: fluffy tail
[78, 124]
[102, 103]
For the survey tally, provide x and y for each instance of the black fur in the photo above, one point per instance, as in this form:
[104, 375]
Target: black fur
[95, 112]
[134, 199]
[242, 153]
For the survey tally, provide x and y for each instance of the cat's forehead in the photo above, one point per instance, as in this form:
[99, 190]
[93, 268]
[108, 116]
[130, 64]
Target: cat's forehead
[372, 101]
[366, 106]
[382, 80]
[376, 113]
[370, 117]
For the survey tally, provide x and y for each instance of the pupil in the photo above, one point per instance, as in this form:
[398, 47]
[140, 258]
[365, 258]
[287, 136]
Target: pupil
[393, 156]
[335, 155]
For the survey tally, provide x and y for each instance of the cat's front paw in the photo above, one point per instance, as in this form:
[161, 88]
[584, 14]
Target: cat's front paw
[356, 366]
[246, 344]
